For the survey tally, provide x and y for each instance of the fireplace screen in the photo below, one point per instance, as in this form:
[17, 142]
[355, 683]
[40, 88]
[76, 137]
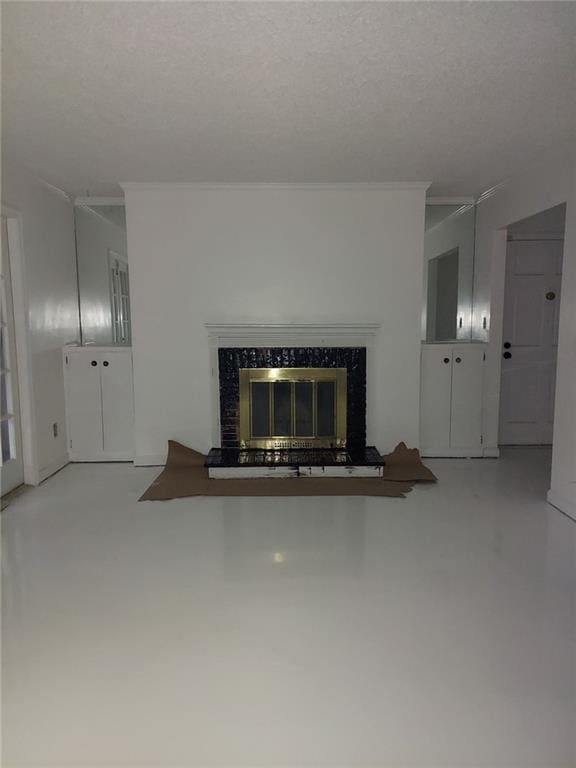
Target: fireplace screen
[292, 407]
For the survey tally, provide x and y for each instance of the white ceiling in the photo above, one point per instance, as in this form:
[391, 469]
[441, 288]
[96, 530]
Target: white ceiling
[460, 93]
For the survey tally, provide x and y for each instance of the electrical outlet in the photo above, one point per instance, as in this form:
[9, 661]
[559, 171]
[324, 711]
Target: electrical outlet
[55, 429]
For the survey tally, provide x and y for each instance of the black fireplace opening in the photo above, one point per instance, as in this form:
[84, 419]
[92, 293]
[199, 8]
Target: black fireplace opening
[310, 406]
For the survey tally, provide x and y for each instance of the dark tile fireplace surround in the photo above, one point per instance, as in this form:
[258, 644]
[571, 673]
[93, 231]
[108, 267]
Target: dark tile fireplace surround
[231, 360]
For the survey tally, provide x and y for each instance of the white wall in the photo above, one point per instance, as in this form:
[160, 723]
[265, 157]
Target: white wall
[51, 304]
[95, 237]
[271, 255]
[548, 182]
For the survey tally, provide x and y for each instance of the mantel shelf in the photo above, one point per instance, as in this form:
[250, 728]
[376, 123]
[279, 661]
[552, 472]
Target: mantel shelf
[286, 333]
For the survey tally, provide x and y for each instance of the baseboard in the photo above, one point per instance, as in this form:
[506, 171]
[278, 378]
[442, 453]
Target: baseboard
[102, 458]
[564, 505]
[31, 475]
[52, 468]
[150, 460]
[452, 453]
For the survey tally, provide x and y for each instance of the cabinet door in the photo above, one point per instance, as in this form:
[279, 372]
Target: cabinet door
[467, 385]
[117, 404]
[435, 389]
[84, 405]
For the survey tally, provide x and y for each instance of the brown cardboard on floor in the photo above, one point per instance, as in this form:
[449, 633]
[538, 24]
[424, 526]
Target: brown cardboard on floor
[185, 475]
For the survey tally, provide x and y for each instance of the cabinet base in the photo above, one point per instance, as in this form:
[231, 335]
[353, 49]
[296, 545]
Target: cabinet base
[101, 458]
[460, 453]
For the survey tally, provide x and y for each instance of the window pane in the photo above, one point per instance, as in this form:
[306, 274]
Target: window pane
[4, 384]
[260, 408]
[326, 401]
[282, 408]
[5, 440]
[304, 393]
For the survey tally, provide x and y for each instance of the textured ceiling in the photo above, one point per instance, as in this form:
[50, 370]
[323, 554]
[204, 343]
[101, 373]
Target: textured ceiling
[460, 93]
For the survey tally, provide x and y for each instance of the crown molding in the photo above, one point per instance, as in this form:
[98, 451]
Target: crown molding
[542, 236]
[458, 200]
[16, 168]
[451, 216]
[488, 193]
[89, 201]
[371, 328]
[90, 211]
[54, 188]
[274, 186]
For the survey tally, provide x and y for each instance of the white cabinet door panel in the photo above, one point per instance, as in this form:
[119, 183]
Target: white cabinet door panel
[452, 383]
[84, 405]
[467, 386]
[99, 403]
[435, 396]
[117, 403]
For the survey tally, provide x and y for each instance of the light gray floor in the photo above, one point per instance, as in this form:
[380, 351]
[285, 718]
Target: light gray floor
[433, 631]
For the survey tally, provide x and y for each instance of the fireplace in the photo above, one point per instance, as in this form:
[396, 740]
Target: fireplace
[283, 408]
[284, 398]
[292, 410]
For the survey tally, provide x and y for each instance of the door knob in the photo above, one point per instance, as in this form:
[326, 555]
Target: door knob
[507, 355]
[105, 363]
[507, 345]
[446, 359]
[458, 359]
[93, 362]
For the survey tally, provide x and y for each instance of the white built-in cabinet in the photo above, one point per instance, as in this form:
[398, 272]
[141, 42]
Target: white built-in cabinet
[452, 380]
[99, 403]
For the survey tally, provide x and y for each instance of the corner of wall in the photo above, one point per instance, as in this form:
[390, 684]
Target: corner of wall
[52, 468]
[564, 505]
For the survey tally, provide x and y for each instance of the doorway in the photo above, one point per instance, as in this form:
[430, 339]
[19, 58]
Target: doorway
[11, 460]
[530, 329]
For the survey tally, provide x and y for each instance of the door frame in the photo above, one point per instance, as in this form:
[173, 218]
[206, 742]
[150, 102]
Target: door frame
[14, 225]
[488, 307]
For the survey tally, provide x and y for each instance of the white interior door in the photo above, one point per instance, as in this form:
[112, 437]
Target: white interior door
[12, 466]
[530, 341]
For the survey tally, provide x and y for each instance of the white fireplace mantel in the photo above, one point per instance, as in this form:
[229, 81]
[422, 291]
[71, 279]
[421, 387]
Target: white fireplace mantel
[287, 335]
[291, 334]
